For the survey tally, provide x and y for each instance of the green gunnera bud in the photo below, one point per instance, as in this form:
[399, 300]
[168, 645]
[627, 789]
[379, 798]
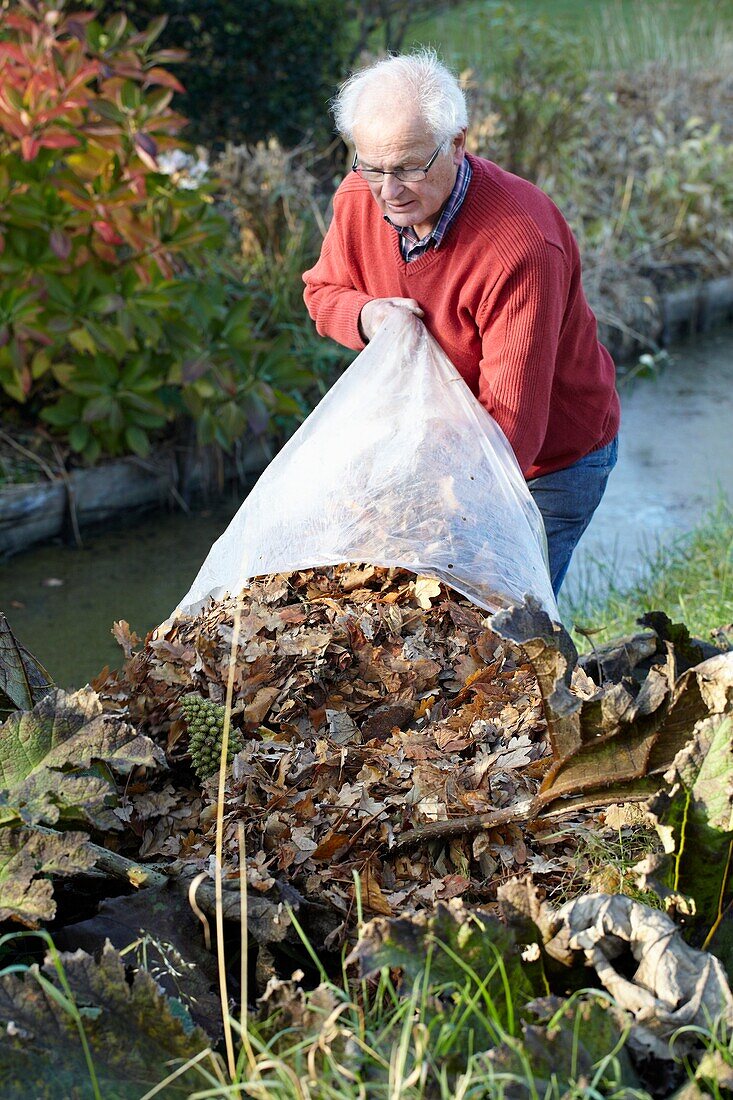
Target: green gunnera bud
[205, 721]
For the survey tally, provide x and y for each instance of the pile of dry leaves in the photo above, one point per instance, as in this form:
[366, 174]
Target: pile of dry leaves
[395, 735]
[376, 707]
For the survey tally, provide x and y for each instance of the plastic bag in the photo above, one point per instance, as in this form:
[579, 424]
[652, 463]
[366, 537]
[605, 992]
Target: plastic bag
[399, 465]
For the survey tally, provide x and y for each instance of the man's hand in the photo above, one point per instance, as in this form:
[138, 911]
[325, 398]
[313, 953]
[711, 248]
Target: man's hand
[378, 310]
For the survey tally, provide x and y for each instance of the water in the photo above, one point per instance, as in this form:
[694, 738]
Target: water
[137, 572]
[676, 457]
[675, 461]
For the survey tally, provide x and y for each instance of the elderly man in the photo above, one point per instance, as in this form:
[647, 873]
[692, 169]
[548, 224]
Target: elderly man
[490, 264]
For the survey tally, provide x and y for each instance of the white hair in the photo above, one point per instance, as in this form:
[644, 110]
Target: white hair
[416, 79]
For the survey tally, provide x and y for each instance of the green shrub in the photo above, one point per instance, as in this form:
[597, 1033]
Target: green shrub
[273, 197]
[255, 68]
[687, 187]
[533, 86]
[113, 317]
[653, 188]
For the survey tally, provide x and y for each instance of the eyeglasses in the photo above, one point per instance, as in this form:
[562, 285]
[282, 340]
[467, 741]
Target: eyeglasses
[404, 175]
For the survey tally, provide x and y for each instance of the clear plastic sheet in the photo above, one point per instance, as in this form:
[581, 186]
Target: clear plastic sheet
[399, 465]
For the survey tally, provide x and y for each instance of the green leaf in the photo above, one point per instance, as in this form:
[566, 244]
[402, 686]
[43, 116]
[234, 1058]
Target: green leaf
[239, 336]
[134, 1037]
[41, 364]
[25, 856]
[130, 96]
[154, 29]
[115, 26]
[92, 451]
[108, 111]
[137, 440]
[145, 414]
[99, 408]
[157, 100]
[239, 317]
[82, 341]
[79, 436]
[23, 680]
[287, 405]
[108, 303]
[64, 413]
[63, 372]
[232, 420]
[46, 755]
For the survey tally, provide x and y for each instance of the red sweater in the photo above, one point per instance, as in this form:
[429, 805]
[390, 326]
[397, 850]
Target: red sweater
[502, 296]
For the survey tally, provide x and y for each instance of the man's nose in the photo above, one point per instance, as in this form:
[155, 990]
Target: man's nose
[391, 187]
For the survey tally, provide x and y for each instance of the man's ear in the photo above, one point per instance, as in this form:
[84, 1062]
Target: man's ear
[458, 146]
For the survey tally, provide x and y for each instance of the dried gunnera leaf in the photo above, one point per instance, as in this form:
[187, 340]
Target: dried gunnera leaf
[23, 679]
[672, 985]
[47, 756]
[27, 856]
[694, 814]
[136, 1036]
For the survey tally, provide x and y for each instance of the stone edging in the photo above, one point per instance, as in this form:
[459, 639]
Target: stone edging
[657, 319]
[694, 309]
[41, 512]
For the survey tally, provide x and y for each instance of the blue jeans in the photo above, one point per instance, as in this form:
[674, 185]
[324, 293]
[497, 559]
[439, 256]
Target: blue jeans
[567, 500]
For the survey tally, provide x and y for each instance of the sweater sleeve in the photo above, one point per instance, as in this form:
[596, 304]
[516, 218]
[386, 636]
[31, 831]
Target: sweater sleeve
[330, 296]
[520, 325]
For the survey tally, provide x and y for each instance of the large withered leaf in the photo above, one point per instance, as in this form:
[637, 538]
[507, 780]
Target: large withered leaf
[672, 985]
[621, 658]
[625, 753]
[23, 679]
[27, 856]
[572, 1047]
[615, 743]
[440, 944]
[161, 925]
[688, 651]
[694, 815]
[134, 1037]
[55, 760]
[702, 691]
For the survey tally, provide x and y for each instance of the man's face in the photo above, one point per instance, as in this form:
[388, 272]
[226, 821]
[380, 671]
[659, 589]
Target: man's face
[407, 143]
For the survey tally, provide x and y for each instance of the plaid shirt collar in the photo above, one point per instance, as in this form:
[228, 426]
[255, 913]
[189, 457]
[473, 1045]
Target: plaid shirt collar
[413, 246]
